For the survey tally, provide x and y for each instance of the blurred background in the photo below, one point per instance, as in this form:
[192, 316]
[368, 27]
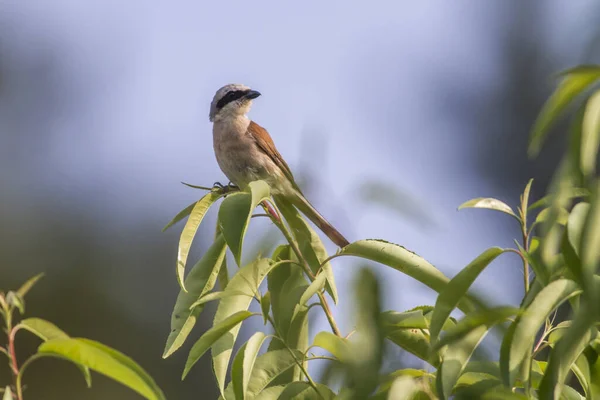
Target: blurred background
[391, 113]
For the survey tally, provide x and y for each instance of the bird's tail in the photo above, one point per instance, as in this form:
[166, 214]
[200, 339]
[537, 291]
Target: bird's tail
[300, 202]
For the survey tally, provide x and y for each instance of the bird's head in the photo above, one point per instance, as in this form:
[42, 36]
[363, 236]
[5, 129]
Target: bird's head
[231, 101]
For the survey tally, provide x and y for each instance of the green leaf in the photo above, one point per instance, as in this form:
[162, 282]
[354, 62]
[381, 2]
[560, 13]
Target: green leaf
[15, 300]
[7, 394]
[590, 135]
[529, 322]
[571, 193]
[200, 281]
[106, 361]
[455, 359]
[43, 329]
[180, 215]
[26, 287]
[490, 204]
[303, 391]
[405, 261]
[525, 197]
[247, 280]
[416, 342]
[214, 296]
[243, 364]
[46, 330]
[235, 214]
[488, 318]
[457, 288]
[572, 85]
[310, 244]
[404, 388]
[189, 231]
[408, 319]
[270, 393]
[277, 282]
[588, 247]
[575, 224]
[337, 346]
[211, 336]
[268, 367]
[561, 218]
[265, 306]
[566, 352]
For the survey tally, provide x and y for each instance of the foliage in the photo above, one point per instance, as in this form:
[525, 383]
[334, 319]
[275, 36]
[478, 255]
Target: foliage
[84, 353]
[558, 246]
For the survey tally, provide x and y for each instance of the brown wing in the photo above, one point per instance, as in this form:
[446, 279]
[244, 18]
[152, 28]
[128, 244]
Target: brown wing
[265, 143]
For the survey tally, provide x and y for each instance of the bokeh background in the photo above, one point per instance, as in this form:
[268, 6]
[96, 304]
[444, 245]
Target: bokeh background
[392, 113]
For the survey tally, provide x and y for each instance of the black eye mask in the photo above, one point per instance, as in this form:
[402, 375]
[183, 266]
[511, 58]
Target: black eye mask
[231, 96]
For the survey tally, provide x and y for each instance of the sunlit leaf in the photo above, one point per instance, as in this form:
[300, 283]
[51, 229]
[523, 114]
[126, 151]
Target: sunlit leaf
[180, 215]
[455, 359]
[247, 280]
[310, 244]
[488, 317]
[590, 135]
[337, 346]
[562, 218]
[416, 342]
[214, 296]
[189, 231]
[405, 261]
[489, 203]
[525, 196]
[235, 214]
[200, 280]
[529, 322]
[15, 300]
[573, 84]
[408, 319]
[404, 388]
[106, 361]
[268, 367]
[457, 288]
[46, 330]
[7, 394]
[211, 336]
[26, 287]
[243, 364]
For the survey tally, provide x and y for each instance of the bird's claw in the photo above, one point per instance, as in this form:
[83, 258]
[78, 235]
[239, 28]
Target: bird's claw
[225, 189]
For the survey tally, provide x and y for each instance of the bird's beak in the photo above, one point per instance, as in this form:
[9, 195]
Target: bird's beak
[252, 94]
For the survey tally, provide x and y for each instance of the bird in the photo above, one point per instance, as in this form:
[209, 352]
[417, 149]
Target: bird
[246, 152]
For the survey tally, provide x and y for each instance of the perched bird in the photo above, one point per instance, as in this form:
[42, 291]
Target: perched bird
[245, 153]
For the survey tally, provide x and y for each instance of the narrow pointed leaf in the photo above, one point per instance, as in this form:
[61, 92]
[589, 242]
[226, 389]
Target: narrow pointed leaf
[490, 204]
[405, 261]
[7, 394]
[214, 296]
[530, 321]
[455, 359]
[189, 231]
[572, 193]
[525, 197]
[457, 288]
[235, 214]
[180, 215]
[404, 388]
[573, 84]
[246, 280]
[416, 342]
[590, 135]
[488, 317]
[26, 287]
[199, 282]
[211, 336]
[408, 319]
[251, 350]
[106, 361]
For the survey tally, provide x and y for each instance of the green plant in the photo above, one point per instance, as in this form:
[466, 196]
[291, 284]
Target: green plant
[559, 248]
[84, 353]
